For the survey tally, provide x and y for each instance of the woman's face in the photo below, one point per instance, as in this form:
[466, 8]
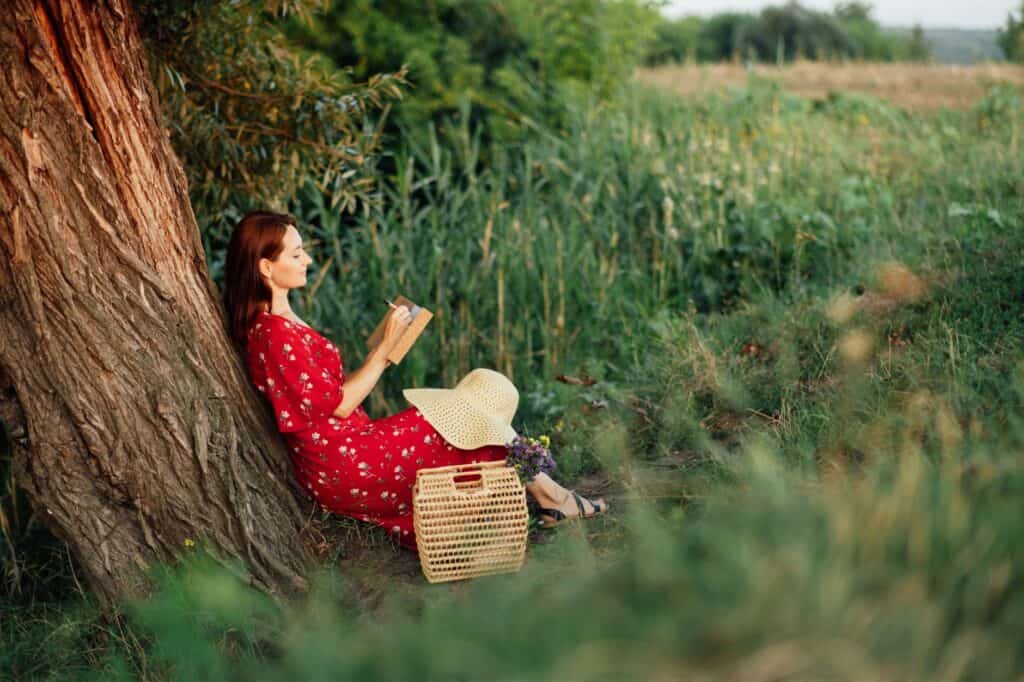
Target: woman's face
[288, 270]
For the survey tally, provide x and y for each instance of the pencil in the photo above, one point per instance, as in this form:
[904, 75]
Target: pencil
[390, 303]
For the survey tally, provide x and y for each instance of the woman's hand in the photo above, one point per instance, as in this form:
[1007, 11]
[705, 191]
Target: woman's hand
[359, 384]
[397, 322]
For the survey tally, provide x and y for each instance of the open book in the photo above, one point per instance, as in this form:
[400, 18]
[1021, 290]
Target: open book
[420, 318]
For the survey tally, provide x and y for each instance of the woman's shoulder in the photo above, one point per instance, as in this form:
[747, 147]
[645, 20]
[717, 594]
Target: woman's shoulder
[267, 327]
[264, 322]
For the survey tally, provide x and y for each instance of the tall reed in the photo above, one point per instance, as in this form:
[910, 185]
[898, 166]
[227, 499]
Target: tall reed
[545, 258]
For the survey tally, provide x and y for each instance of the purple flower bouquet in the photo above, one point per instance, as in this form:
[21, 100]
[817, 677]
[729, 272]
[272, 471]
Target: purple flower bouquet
[530, 456]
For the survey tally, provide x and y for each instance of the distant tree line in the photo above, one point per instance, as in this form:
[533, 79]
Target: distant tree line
[1011, 38]
[784, 33]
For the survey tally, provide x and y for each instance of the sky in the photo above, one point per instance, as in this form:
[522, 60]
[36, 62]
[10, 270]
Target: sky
[935, 14]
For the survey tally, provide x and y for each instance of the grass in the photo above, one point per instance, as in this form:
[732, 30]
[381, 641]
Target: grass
[804, 319]
[638, 209]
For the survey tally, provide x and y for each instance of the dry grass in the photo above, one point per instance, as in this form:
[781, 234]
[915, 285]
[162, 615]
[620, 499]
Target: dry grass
[920, 87]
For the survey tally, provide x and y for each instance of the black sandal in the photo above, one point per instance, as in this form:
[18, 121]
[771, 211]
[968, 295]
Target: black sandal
[558, 517]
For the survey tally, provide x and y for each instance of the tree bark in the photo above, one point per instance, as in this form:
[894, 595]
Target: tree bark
[135, 426]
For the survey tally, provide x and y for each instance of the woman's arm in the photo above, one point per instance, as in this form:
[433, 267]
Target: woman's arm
[359, 384]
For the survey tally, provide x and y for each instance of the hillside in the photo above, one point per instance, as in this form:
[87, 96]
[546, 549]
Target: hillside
[959, 46]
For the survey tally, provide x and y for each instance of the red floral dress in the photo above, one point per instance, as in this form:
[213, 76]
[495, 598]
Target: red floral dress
[355, 466]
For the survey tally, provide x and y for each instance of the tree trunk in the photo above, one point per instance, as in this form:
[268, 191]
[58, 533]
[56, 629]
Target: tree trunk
[135, 425]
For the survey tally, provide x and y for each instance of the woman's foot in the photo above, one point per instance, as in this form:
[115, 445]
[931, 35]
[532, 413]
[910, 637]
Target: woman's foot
[572, 507]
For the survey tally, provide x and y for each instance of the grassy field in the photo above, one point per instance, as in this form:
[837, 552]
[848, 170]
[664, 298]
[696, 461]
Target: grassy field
[803, 318]
[918, 87]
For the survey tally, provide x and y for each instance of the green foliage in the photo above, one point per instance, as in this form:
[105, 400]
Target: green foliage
[250, 118]
[503, 63]
[1011, 37]
[784, 33]
[679, 41]
[725, 34]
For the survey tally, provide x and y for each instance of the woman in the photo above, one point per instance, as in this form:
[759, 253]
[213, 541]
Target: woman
[349, 463]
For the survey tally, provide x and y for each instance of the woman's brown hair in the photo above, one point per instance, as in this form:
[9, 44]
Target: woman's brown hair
[259, 234]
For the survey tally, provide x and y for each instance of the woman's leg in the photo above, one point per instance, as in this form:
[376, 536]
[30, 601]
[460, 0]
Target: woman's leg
[427, 448]
[550, 495]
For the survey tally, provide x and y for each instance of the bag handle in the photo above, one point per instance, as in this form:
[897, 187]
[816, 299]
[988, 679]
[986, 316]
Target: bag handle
[488, 471]
[488, 477]
[468, 468]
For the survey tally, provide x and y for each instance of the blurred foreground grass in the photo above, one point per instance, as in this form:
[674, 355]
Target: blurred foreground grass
[805, 321]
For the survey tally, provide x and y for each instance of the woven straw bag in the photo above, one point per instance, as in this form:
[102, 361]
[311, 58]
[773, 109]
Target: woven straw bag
[470, 520]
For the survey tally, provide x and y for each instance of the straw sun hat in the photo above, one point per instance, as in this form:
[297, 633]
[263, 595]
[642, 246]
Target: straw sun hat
[477, 412]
